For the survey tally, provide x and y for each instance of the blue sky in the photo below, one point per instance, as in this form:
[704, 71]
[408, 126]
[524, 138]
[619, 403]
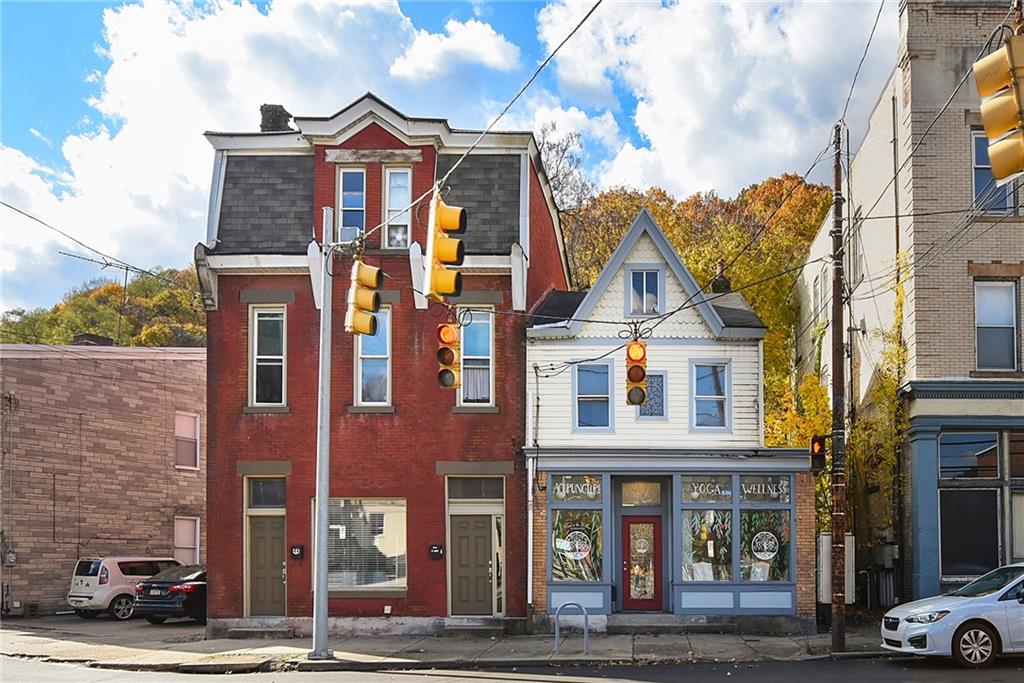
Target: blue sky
[663, 94]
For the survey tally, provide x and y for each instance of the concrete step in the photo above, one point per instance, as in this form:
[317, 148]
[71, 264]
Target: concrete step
[631, 624]
[261, 633]
[474, 627]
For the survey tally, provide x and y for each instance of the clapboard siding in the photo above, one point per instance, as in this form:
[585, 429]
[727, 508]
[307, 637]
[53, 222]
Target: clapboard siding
[555, 428]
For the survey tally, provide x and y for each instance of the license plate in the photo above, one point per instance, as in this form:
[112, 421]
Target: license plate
[155, 591]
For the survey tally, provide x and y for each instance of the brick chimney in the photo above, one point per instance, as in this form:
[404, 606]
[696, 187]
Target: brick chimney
[721, 284]
[274, 117]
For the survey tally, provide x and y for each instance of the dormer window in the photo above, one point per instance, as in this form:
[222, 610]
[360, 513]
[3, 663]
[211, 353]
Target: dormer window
[645, 291]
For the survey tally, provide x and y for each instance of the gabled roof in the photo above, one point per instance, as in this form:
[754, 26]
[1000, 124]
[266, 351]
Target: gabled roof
[726, 315]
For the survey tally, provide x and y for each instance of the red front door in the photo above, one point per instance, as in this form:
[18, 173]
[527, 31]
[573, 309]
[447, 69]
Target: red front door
[641, 563]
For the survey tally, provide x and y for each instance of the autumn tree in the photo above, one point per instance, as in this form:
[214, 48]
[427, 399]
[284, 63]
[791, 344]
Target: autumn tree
[157, 309]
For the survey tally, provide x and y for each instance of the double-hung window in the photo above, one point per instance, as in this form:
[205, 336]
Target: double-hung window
[353, 203]
[644, 291]
[477, 358]
[987, 195]
[398, 195]
[186, 540]
[373, 363]
[593, 396]
[186, 441]
[267, 383]
[995, 318]
[710, 395]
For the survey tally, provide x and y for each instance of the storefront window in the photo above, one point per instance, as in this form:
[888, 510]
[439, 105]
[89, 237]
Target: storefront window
[641, 494]
[773, 488]
[366, 544]
[576, 545]
[573, 488]
[707, 488]
[969, 527]
[707, 545]
[969, 454]
[764, 545]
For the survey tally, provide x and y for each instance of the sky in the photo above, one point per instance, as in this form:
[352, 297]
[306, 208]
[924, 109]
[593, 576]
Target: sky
[103, 105]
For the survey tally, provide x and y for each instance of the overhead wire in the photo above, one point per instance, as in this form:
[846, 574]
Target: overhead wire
[867, 45]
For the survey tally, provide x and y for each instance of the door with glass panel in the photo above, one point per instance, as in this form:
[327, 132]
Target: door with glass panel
[641, 563]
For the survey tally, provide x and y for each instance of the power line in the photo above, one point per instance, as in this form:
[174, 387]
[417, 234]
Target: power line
[881, 5]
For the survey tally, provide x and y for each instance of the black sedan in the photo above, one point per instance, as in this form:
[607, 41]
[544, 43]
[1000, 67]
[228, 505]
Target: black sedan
[174, 592]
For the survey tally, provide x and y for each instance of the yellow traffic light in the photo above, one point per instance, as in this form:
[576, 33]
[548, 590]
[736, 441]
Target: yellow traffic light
[818, 445]
[999, 79]
[443, 251]
[636, 373]
[448, 355]
[363, 299]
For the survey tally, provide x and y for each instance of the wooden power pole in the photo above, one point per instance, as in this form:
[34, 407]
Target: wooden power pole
[838, 413]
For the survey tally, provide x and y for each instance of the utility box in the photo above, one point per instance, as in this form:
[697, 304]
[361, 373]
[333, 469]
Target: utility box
[825, 569]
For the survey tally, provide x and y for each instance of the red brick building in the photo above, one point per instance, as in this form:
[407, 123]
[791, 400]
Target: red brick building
[427, 518]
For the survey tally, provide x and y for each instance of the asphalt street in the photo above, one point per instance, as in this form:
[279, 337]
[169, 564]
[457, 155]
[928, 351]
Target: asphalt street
[846, 671]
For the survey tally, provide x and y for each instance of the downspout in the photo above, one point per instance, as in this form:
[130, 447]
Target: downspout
[531, 471]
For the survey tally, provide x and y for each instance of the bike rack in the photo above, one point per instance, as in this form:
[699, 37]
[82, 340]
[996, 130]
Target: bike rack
[586, 625]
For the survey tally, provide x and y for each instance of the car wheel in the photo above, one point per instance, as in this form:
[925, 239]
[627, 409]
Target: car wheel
[87, 613]
[122, 607]
[974, 645]
[155, 619]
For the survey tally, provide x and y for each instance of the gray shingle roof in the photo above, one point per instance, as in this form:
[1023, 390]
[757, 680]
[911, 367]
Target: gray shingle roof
[487, 186]
[557, 306]
[734, 311]
[267, 205]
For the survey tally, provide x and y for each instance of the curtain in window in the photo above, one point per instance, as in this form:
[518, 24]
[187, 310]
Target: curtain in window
[476, 380]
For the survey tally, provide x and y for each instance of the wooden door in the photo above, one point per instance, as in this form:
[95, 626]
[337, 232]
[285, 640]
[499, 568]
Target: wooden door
[471, 565]
[641, 563]
[266, 566]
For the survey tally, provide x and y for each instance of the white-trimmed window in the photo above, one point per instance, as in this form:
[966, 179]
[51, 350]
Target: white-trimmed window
[478, 358]
[373, 363]
[186, 441]
[995, 318]
[592, 390]
[644, 292]
[987, 195]
[268, 345]
[397, 196]
[352, 190]
[186, 540]
[710, 396]
[366, 544]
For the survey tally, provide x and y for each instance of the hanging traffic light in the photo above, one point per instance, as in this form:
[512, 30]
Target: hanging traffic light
[636, 373]
[1000, 78]
[363, 299]
[444, 251]
[448, 358]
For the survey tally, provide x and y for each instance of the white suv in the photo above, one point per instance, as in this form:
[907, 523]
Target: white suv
[108, 583]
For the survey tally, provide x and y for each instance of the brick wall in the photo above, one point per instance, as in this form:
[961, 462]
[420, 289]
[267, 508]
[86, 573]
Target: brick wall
[88, 466]
[806, 552]
[540, 541]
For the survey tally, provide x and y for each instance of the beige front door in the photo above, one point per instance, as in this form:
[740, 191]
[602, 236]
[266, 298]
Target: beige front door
[266, 566]
[471, 565]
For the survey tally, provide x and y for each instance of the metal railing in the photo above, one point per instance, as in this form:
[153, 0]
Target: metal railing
[586, 625]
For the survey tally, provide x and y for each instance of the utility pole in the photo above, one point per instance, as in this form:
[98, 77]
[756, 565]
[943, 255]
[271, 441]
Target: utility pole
[323, 455]
[838, 412]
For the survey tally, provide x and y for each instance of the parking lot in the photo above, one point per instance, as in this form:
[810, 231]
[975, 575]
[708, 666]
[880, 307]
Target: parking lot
[108, 631]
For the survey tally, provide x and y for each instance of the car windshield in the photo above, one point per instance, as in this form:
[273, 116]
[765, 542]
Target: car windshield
[189, 572]
[88, 568]
[990, 583]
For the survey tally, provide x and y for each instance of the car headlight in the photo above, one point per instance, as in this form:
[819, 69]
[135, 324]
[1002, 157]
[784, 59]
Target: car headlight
[927, 617]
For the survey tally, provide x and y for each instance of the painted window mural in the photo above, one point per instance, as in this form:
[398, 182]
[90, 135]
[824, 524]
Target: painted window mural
[576, 545]
[764, 545]
[707, 545]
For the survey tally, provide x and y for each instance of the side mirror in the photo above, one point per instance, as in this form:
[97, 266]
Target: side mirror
[1020, 596]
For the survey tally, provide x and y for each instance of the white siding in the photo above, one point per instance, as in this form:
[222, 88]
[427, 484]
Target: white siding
[555, 428]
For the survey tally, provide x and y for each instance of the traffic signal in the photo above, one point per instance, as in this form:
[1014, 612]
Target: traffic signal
[818, 450]
[444, 251]
[1000, 77]
[448, 355]
[636, 373]
[363, 299]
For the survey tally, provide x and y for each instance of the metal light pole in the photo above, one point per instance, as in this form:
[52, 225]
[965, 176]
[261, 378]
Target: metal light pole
[323, 459]
[838, 414]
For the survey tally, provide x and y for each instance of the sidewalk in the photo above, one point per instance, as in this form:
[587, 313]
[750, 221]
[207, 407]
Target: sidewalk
[145, 648]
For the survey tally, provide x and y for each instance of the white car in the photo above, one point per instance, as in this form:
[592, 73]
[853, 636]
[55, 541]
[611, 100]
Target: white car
[974, 624]
[108, 583]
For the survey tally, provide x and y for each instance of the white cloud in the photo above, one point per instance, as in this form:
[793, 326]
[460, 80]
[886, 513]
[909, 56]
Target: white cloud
[39, 136]
[138, 168]
[434, 54]
[725, 94]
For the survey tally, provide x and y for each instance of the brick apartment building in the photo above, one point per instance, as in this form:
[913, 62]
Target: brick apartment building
[427, 518]
[962, 465]
[103, 454]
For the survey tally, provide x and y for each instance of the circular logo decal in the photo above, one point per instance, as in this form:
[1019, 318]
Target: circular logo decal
[578, 545]
[641, 546]
[764, 546]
